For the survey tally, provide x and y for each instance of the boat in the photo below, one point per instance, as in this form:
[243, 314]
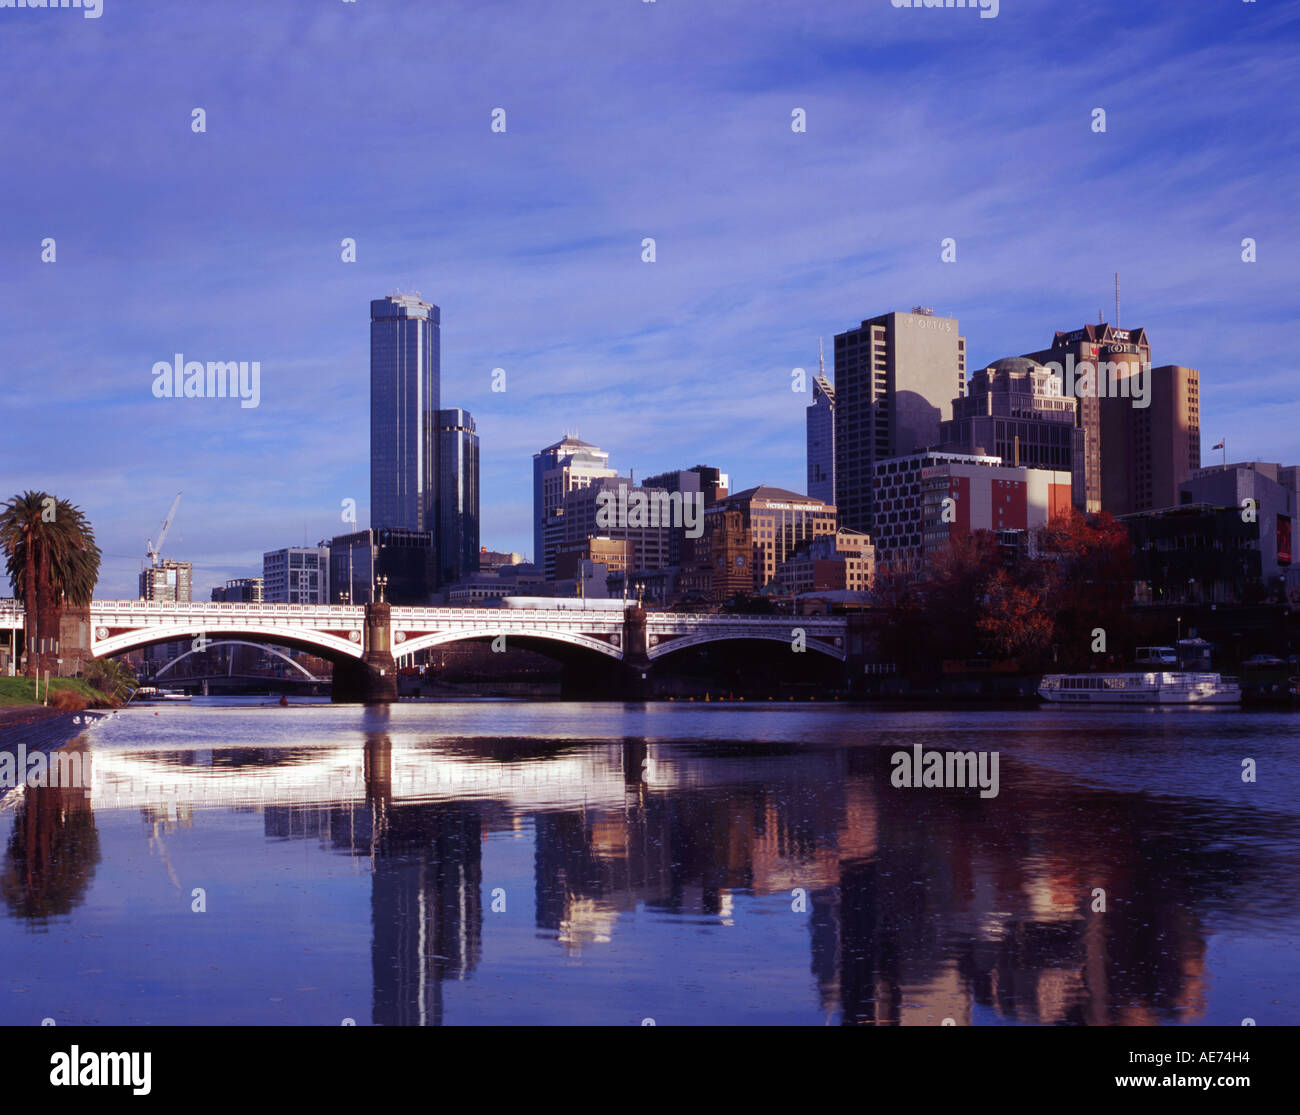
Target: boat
[148, 694]
[1159, 687]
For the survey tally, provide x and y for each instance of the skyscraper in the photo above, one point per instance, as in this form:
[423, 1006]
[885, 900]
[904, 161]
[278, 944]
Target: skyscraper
[895, 379]
[404, 402]
[458, 510]
[1110, 354]
[557, 470]
[1148, 453]
[821, 437]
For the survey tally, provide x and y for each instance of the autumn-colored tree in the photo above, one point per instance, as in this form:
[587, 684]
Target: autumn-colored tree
[1014, 619]
[1086, 582]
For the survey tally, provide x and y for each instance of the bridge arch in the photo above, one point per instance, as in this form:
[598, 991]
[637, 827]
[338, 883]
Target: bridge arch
[325, 644]
[520, 631]
[242, 643]
[664, 647]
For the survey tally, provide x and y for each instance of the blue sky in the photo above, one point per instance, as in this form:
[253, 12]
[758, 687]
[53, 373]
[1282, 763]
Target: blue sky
[625, 120]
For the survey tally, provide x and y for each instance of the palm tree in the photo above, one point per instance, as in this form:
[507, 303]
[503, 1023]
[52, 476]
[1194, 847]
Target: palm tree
[51, 559]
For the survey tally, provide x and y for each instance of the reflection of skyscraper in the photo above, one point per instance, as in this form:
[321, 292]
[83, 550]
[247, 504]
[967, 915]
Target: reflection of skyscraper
[426, 908]
[404, 394]
[458, 511]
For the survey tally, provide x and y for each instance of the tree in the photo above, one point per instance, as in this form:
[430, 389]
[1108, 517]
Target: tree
[52, 562]
[1086, 583]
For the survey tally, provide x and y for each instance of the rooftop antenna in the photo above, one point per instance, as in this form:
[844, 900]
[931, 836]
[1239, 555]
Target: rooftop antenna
[821, 359]
[1116, 299]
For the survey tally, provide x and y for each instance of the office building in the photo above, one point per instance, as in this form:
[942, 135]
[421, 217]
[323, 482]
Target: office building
[913, 521]
[241, 590]
[841, 562]
[407, 558]
[458, 504]
[1271, 511]
[1091, 360]
[704, 484]
[612, 507]
[1014, 409]
[1147, 453]
[404, 405]
[557, 470]
[895, 378]
[819, 421]
[296, 575]
[775, 521]
[168, 582]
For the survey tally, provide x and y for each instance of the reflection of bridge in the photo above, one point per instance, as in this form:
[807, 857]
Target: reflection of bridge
[365, 642]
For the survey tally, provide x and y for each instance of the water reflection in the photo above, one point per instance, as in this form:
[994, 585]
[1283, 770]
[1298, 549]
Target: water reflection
[917, 906]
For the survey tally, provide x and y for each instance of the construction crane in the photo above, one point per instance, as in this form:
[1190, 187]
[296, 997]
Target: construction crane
[155, 551]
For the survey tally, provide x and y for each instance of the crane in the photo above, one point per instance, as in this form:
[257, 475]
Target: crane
[153, 550]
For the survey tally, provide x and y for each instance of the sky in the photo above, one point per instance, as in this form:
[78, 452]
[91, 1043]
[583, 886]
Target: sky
[624, 119]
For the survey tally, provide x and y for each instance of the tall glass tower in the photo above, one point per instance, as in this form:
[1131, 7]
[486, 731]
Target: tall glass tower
[458, 533]
[404, 397]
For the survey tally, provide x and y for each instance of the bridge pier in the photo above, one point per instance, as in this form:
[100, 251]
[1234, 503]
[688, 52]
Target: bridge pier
[637, 681]
[372, 679]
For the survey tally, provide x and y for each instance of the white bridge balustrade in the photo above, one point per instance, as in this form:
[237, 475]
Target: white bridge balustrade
[375, 639]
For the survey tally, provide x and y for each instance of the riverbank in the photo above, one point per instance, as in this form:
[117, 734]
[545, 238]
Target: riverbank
[38, 727]
[66, 694]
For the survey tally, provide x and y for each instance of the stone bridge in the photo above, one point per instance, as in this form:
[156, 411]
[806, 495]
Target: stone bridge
[367, 642]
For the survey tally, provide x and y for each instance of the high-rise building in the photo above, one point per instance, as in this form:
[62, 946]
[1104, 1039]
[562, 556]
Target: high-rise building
[1149, 452]
[1014, 409]
[168, 582]
[296, 575]
[241, 590]
[404, 394]
[607, 508]
[776, 522]
[404, 557]
[895, 379]
[820, 424]
[458, 504]
[923, 499]
[702, 483]
[1090, 360]
[557, 470]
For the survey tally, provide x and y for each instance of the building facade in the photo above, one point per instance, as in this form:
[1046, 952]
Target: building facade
[1109, 354]
[820, 433]
[296, 575]
[1014, 409]
[407, 558]
[557, 470]
[241, 590]
[168, 582]
[1148, 453]
[405, 382]
[924, 499]
[895, 378]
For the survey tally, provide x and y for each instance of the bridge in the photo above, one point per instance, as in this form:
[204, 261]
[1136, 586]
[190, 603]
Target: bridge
[367, 643]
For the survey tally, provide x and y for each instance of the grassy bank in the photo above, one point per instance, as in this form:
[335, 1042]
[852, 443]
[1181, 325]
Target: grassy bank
[71, 694]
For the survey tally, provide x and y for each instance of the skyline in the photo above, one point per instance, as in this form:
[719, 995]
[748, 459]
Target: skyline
[223, 246]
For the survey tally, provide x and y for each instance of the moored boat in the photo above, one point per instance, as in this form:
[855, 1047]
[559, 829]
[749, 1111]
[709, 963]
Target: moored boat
[1158, 687]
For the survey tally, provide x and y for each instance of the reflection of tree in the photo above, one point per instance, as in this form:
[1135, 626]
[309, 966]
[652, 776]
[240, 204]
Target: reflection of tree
[53, 851]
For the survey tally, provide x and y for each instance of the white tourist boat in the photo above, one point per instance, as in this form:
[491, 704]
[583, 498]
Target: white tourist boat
[1158, 687]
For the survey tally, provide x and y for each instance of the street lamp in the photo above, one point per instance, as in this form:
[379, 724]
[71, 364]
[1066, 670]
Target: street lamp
[381, 582]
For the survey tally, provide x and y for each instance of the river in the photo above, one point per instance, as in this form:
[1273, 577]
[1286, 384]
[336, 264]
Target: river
[502, 862]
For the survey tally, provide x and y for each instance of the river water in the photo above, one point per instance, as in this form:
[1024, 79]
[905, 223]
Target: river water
[538, 863]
